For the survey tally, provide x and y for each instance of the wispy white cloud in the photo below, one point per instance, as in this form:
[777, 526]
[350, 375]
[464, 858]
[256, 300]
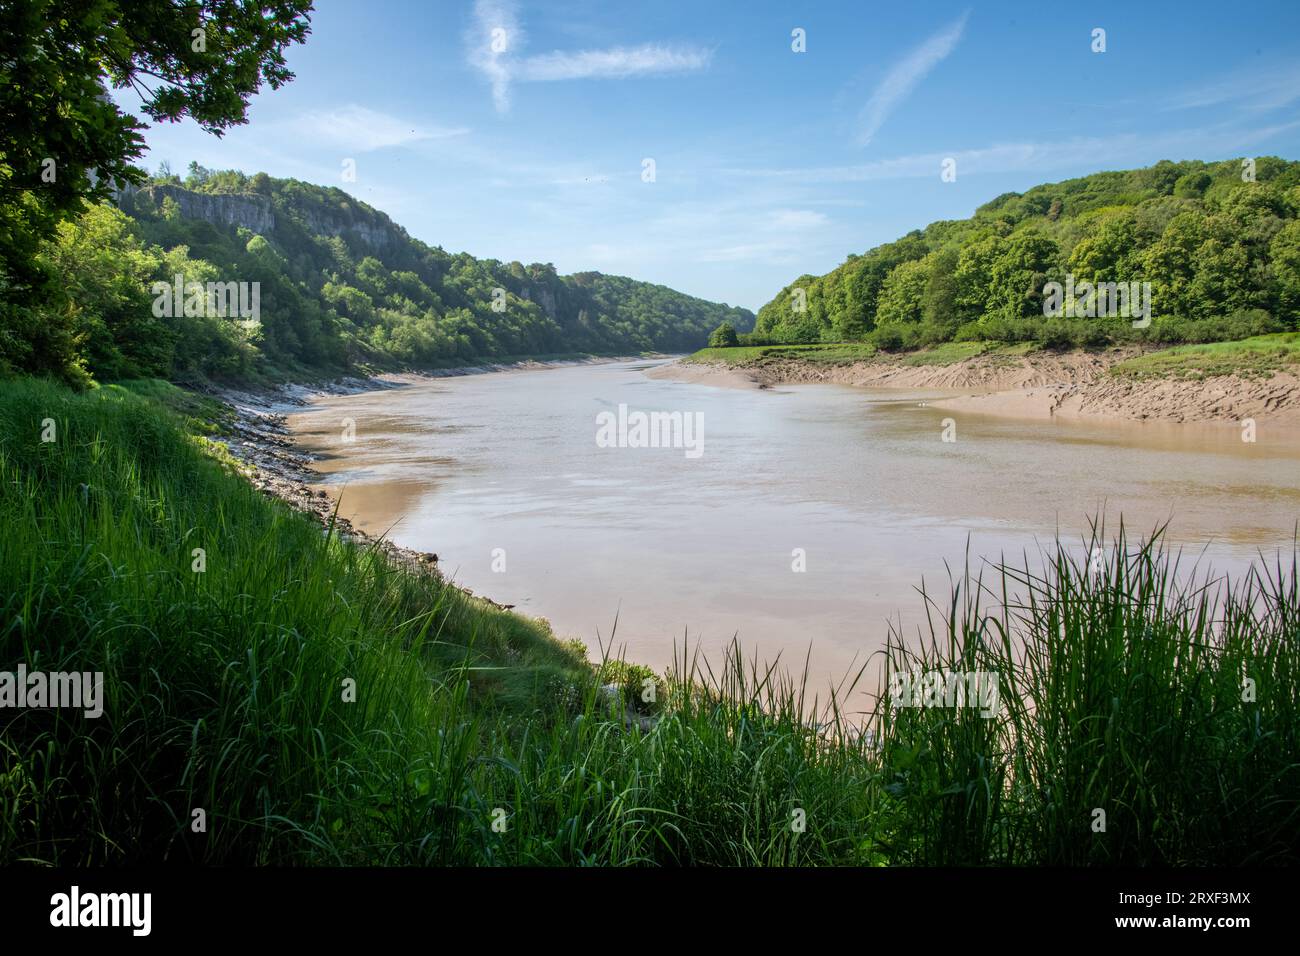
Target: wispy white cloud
[1115, 151]
[1257, 89]
[905, 75]
[495, 43]
[616, 62]
[358, 129]
[496, 35]
[775, 237]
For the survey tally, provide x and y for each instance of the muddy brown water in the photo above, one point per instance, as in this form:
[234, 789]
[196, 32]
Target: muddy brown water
[501, 475]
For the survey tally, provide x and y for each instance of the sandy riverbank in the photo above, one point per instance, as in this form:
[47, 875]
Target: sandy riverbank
[1046, 385]
[698, 373]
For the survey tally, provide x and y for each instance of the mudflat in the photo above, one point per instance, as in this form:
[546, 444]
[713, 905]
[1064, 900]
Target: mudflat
[1044, 385]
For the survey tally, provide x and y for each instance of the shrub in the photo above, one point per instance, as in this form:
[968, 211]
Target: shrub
[724, 337]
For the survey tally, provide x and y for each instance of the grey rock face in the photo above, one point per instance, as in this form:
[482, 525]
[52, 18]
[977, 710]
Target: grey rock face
[257, 213]
[250, 210]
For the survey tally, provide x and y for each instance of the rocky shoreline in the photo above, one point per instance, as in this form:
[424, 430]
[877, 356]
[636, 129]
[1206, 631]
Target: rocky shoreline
[259, 440]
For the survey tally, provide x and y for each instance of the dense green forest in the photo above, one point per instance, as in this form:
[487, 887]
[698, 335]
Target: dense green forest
[338, 285]
[1219, 244]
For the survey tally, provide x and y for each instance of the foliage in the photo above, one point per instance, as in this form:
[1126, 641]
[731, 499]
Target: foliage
[1212, 245]
[723, 337]
[65, 142]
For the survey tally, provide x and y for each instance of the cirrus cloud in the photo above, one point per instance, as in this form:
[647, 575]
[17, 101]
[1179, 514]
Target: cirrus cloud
[905, 75]
[362, 130]
[493, 45]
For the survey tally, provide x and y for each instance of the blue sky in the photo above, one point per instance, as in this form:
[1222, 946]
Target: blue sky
[767, 163]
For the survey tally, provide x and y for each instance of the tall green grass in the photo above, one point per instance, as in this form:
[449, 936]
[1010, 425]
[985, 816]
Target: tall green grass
[1133, 686]
[476, 738]
[224, 687]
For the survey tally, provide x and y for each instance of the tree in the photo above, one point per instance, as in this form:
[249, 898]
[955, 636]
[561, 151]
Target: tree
[198, 175]
[1017, 276]
[1193, 185]
[105, 272]
[902, 292]
[974, 265]
[939, 302]
[1285, 251]
[864, 281]
[64, 141]
[1108, 253]
[724, 337]
[1171, 262]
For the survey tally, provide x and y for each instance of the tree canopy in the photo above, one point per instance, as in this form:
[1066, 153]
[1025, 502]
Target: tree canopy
[1217, 242]
[65, 142]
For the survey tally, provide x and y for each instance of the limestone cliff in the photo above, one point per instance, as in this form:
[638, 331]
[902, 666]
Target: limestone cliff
[366, 227]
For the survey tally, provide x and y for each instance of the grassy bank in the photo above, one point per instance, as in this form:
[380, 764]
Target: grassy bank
[846, 353]
[1257, 356]
[750, 354]
[475, 737]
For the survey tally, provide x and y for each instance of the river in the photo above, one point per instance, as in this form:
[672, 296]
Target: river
[804, 518]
